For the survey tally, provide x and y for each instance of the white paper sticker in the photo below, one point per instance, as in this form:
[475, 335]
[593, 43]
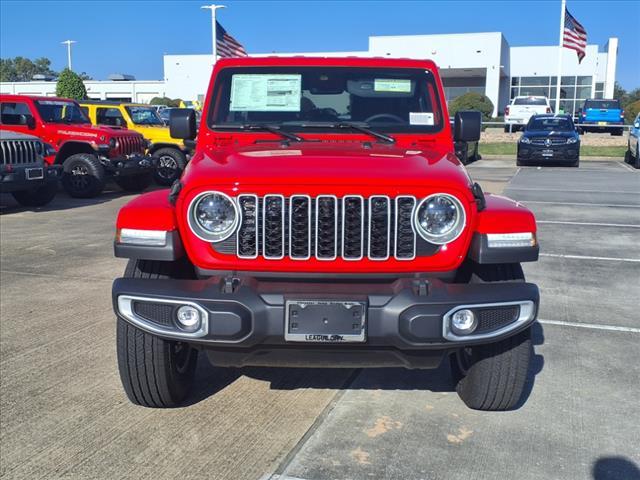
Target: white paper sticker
[420, 118]
[265, 93]
[390, 85]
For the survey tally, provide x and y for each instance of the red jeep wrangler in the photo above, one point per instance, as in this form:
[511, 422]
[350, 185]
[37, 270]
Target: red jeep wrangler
[86, 153]
[325, 221]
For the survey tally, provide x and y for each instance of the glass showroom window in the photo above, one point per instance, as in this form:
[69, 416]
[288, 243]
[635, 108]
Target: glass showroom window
[573, 90]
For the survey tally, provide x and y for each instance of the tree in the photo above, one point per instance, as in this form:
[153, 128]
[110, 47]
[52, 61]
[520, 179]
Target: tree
[20, 69]
[165, 101]
[631, 110]
[70, 86]
[472, 101]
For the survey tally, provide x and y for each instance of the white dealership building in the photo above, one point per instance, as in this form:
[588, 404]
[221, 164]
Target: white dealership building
[469, 62]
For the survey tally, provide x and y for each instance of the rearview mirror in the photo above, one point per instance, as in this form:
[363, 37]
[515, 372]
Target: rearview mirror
[182, 123]
[467, 125]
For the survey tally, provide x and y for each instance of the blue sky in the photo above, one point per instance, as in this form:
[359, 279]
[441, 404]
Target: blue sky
[130, 37]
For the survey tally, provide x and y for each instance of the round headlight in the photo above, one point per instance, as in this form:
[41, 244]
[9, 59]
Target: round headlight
[213, 216]
[440, 218]
[113, 143]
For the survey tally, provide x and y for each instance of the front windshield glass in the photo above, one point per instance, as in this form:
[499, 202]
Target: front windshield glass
[60, 111]
[551, 124]
[144, 116]
[293, 98]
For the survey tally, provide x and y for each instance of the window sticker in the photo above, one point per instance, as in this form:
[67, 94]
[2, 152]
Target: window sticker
[390, 85]
[420, 118]
[265, 93]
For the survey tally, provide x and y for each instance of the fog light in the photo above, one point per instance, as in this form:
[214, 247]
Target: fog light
[463, 322]
[188, 318]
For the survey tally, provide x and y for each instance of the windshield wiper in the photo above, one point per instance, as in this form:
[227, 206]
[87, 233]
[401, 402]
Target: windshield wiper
[358, 126]
[273, 129]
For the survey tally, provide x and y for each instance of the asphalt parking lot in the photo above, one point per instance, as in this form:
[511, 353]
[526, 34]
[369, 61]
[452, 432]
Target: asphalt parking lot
[63, 413]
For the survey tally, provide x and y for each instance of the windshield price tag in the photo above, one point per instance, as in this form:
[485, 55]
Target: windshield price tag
[421, 118]
[265, 93]
[389, 85]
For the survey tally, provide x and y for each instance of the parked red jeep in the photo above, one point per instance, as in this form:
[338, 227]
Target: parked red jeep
[87, 153]
[325, 221]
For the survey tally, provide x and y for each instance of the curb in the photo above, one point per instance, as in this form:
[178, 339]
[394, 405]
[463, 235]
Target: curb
[582, 158]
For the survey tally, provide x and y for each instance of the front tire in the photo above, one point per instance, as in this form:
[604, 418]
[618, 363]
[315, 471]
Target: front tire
[171, 163]
[83, 175]
[493, 376]
[155, 373]
[37, 197]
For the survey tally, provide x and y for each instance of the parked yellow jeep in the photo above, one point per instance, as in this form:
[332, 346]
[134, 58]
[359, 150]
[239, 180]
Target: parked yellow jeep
[171, 154]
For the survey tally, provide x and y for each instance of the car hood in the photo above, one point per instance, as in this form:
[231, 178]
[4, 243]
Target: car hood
[544, 134]
[326, 163]
[9, 135]
[156, 133]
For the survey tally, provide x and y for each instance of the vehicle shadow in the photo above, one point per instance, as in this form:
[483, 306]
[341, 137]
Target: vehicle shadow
[615, 468]
[212, 379]
[63, 201]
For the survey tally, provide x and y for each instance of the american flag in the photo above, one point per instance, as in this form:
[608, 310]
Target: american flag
[575, 36]
[226, 45]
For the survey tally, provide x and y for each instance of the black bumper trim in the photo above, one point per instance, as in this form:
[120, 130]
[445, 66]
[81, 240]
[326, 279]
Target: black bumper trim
[16, 180]
[253, 314]
[481, 253]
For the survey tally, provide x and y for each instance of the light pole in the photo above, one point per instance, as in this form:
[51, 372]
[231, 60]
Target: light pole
[68, 44]
[213, 9]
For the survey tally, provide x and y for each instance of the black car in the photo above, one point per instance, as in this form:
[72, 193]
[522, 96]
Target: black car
[549, 140]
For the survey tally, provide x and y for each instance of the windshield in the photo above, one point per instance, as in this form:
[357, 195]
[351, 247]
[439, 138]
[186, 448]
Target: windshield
[602, 104]
[551, 124]
[530, 101]
[384, 99]
[144, 116]
[60, 111]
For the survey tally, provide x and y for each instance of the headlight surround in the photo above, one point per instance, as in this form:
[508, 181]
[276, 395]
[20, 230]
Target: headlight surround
[113, 143]
[439, 218]
[572, 140]
[524, 139]
[213, 216]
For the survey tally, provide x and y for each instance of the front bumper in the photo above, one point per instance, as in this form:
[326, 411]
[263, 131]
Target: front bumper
[406, 321]
[552, 154]
[16, 178]
[128, 165]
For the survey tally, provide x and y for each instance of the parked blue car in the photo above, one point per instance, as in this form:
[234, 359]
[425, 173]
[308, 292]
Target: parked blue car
[633, 144]
[601, 115]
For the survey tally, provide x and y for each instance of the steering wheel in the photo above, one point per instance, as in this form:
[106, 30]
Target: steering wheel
[384, 115]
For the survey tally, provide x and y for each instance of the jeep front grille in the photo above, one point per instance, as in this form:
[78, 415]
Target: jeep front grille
[17, 152]
[129, 144]
[325, 227]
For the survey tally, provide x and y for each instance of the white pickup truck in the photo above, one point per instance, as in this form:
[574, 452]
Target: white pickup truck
[521, 109]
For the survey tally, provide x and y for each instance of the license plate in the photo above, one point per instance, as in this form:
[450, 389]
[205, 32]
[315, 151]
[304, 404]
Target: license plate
[547, 153]
[34, 173]
[325, 321]
[602, 124]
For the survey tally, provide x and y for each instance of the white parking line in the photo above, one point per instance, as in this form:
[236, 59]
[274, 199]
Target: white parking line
[566, 190]
[578, 204]
[627, 167]
[593, 326]
[590, 224]
[584, 257]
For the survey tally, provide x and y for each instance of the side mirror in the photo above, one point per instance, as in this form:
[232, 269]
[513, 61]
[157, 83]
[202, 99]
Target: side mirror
[467, 126]
[637, 124]
[27, 120]
[120, 122]
[182, 123]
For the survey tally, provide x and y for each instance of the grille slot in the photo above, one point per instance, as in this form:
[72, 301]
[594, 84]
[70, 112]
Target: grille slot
[128, 145]
[18, 152]
[160, 313]
[273, 227]
[493, 318]
[324, 228]
[554, 140]
[379, 227]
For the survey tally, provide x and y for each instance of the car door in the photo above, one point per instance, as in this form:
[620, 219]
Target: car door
[110, 116]
[17, 116]
[634, 135]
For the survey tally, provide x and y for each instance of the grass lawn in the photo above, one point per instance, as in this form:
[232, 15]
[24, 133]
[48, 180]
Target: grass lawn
[585, 151]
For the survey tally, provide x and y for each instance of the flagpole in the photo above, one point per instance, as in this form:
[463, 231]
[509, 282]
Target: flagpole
[562, 10]
[214, 45]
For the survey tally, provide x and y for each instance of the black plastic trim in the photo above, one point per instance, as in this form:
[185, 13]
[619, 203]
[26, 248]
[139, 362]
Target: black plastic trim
[480, 252]
[173, 250]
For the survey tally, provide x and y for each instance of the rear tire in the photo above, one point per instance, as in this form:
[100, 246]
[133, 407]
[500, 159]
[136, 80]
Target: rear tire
[155, 373]
[83, 176]
[37, 197]
[617, 133]
[492, 376]
[171, 163]
[134, 183]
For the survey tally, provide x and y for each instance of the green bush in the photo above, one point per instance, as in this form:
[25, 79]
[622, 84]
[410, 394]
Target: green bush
[165, 101]
[70, 85]
[472, 101]
[631, 111]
